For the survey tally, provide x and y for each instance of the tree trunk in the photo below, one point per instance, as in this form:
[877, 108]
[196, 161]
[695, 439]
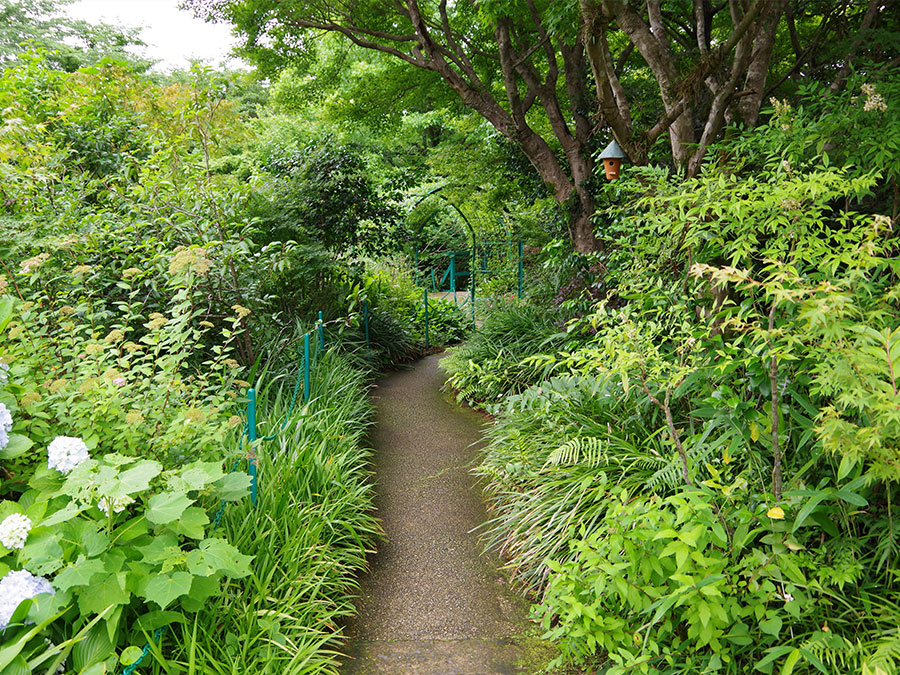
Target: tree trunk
[763, 43]
[581, 227]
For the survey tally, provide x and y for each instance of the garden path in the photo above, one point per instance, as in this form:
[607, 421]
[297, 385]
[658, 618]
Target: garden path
[433, 603]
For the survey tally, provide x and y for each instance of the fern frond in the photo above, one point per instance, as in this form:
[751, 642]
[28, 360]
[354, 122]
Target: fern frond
[588, 451]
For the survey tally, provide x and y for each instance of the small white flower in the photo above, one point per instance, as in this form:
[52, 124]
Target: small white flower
[5, 425]
[17, 586]
[118, 504]
[65, 453]
[14, 530]
[4, 373]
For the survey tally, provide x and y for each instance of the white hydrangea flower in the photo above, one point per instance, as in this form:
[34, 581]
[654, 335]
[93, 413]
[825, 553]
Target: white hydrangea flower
[17, 586]
[14, 530]
[4, 373]
[65, 453]
[118, 504]
[5, 425]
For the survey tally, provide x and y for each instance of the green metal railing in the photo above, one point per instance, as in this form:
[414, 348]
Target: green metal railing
[480, 251]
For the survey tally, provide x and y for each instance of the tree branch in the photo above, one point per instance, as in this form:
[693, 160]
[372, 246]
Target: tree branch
[868, 19]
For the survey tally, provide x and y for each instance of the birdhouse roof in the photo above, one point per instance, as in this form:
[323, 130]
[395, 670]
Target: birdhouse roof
[613, 151]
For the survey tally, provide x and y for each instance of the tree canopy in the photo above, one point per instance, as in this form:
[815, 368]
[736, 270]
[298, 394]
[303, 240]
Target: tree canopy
[559, 79]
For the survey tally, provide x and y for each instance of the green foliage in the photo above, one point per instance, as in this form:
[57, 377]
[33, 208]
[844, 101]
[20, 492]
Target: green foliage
[702, 581]
[308, 535]
[702, 475]
[489, 366]
[71, 43]
[138, 275]
[119, 527]
[554, 453]
[325, 193]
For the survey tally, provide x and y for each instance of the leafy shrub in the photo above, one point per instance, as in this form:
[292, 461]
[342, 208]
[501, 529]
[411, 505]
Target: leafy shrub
[113, 528]
[127, 382]
[709, 580]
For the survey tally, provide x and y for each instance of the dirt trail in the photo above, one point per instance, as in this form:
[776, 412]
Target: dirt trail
[433, 603]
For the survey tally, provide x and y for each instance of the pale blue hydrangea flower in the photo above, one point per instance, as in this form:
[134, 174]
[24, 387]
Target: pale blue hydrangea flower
[14, 530]
[17, 586]
[5, 425]
[4, 373]
[65, 453]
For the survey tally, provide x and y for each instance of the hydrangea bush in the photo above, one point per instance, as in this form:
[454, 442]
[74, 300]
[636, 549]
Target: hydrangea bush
[134, 382]
[114, 446]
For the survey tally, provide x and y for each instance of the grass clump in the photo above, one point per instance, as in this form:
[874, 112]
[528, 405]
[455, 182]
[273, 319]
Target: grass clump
[309, 535]
[490, 365]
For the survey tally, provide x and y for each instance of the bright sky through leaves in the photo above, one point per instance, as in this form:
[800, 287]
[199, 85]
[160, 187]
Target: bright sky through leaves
[173, 36]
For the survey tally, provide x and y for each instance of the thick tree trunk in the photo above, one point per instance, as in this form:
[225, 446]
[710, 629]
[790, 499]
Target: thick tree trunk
[763, 43]
[580, 211]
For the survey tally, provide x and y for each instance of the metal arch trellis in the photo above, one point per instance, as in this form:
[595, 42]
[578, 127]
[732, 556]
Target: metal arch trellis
[453, 273]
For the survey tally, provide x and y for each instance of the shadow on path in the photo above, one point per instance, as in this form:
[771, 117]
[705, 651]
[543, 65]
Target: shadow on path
[433, 604]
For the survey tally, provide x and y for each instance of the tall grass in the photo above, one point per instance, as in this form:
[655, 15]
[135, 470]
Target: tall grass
[309, 535]
[489, 365]
[555, 453]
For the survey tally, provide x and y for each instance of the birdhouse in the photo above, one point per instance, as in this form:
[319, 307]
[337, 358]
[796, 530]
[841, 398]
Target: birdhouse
[612, 158]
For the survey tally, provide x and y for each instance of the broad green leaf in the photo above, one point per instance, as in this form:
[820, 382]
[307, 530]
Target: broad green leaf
[17, 446]
[198, 475]
[137, 478]
[218, 554]
[42, 554]
[6, 311]
[109, 590]
[234, 486]
[153, 620]
[65, 514]
[158, 548]
[790, 662]
[192, 523]
[201, 589]
[93, 649]
[166, 507]
[810, 505]
[78, 573]
[163, 589]
[130, 654]
[771, 626]
[19, 666]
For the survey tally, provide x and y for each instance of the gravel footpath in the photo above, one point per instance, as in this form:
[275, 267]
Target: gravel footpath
[433, 604]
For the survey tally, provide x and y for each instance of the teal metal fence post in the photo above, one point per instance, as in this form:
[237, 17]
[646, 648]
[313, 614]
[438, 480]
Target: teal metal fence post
[321, 347]
[453, 276]
[426, 317]
[472, 281]
[433, 283]
[366, 320]
[521, 267]
[251, 437]
[306, 367]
